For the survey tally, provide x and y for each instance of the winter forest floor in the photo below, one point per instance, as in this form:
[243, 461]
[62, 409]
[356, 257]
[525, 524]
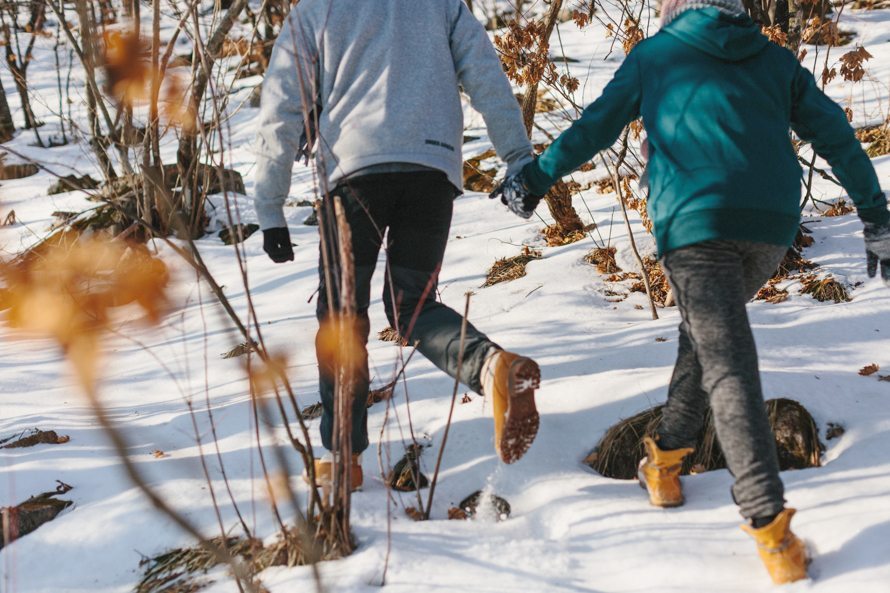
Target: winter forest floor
[602, 357]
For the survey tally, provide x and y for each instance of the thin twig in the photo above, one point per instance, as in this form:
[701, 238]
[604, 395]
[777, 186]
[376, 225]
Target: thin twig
[460, 360]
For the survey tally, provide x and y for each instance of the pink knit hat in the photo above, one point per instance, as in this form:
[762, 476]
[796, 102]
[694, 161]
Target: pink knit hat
[671, 9]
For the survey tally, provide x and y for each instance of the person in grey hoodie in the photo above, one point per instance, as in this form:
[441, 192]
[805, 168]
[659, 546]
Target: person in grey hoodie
[374, 88]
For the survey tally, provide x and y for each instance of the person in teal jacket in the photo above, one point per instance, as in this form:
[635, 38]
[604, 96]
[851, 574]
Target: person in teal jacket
[717, 100]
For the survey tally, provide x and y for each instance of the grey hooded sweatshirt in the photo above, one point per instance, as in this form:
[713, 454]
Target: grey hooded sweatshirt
[379, 80]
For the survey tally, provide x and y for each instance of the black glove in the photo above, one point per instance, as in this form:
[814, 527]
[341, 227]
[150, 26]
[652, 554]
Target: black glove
[276, 243]
[514, 193]
[877, 249]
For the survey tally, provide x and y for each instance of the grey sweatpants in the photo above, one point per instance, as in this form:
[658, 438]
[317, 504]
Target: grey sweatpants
[717, 365]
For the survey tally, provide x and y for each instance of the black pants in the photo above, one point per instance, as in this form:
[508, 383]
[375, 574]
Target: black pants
[717, 365]
[414, 210]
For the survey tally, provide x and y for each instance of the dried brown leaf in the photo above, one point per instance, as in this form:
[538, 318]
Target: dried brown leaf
[869, 369]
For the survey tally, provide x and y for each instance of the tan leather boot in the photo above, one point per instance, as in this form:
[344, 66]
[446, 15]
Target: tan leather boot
[510, 380]
[782, 552]
[324, 468]
[659, 474]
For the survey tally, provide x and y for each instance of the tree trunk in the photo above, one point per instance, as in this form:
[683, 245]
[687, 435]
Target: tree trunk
[559, 198]
[98, 143]
[559, 202]
[7, 127]
[187, 153]
[530, 100]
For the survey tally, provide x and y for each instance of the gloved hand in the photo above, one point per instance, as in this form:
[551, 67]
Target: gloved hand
[277, 245]
[514, 193]
[877, 249]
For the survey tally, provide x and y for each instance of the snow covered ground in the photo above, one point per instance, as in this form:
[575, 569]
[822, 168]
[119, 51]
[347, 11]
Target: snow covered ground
[571, 529]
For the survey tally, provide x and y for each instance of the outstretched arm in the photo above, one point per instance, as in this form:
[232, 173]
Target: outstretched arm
[289, 95]
[598, 127]
[820, 121]
[480, 73]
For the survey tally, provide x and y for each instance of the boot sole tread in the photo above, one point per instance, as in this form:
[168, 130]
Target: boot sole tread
[522, 420]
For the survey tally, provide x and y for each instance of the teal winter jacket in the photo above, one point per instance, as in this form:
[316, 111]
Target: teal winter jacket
[717, 101]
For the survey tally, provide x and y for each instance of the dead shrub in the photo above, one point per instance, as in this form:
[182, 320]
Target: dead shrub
[871, 4]
[510, 268]
[17, 171]
[556, 238]
[604, 260]
[36, 437]
[72, 183]
[771, 293]
[794, 261]
[312, 411]
[825, 289]
[839, 208]
[182, 570]
[658, 282]
[619, 451]
[241, 349]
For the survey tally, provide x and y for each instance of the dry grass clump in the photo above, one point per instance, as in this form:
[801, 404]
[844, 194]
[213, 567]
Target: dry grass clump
[241, 349]
[619, 451]
[772, 293]
[604, 260]
[871, 4]
[557, 238]
[17, 170]
[391, 334]
[825, 289]
[182, 570]
[794, 261]
[510, 268]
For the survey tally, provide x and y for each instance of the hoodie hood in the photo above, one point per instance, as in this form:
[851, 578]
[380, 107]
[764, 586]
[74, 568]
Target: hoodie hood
[731, 38]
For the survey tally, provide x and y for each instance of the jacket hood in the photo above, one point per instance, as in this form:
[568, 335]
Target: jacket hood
[731, 38]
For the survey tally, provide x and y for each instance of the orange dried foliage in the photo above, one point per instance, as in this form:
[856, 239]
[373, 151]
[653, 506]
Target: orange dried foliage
[267, 374]
[67, 292]
[414, 514]
[125, 60]
[128, 72]
[776, 35]
[176, 105]
[869, 370]
[821, 32]
[339, 343]
[525, 54]
[851, 64]
[839, 208]
[633, 34]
